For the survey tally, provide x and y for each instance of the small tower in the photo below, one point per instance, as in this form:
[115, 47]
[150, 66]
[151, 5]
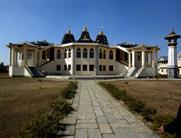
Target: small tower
[172, 71]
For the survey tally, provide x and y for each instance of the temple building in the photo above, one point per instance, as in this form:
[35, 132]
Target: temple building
[82, 57]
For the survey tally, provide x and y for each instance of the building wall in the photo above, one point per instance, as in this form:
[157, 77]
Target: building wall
[162, 67]
[73, 61]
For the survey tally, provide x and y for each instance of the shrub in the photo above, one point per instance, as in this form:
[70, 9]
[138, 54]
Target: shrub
[73, 85]
[137, 106]
[148, 113]
[47, 125]
[61, 106]
[43, 126]
[69, 92]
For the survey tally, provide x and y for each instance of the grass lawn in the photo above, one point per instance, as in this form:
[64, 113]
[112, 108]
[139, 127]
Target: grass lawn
[164, 96]
[22, 99]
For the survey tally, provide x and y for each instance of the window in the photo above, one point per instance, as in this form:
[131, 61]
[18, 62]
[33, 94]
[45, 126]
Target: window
[78, 53]
[58, 54]
[48, 54]
[104, 54]
[104, 67]
[65, 53]
[139, 57]
[58, 67]
[85, 53]
[111, 68]
[111, 54]
[69, 53]
[100, 53]
[162, 70]
[84, 67]
[91, 53]
[78, 67]
[91, 67]
[65, 67]
[43, 55]
[69, 67]
[30, 55]
[100, 67]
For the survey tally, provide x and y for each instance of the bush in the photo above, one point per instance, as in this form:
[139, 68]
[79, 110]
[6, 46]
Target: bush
[61, 106]
[44, 126]
[148, 113]
[47, 125]
[69, 92]
[137, 106]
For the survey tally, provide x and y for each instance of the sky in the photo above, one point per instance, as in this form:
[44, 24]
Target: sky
[132, 21]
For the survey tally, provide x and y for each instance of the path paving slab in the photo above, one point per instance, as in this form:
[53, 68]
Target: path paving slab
[98, 115]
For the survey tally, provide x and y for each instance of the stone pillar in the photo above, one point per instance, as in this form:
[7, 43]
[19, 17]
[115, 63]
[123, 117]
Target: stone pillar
[143, 58]
[10, 59]
[133, 58]
[97, 60]
[25, 54]
[153, 59]
[73, 60]
[15, 57]
[35, 57]
[12, 56]
[129, 59]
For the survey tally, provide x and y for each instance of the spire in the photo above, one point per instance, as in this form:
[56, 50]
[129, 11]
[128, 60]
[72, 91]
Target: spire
[101, 32]
[68, 37]
[85, 29]
[85, 37]
[68, 31]
[101, 37]
[172, 30]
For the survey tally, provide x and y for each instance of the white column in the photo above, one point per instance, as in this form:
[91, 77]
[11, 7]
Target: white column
[73, 60]
[153, 59]
[10, 59]
[156, 57]
[25, 55]
[35, 57]
[133, 58]
[15, 57]
[143, 58]
[129, 59]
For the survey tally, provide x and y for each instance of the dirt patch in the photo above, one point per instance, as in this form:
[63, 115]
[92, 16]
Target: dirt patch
[22, 99]
[163, 95]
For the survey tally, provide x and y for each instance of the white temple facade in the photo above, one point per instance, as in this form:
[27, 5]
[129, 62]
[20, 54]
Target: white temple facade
[82, 57]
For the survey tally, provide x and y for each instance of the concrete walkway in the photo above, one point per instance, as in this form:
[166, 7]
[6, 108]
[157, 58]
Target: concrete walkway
[99, 115]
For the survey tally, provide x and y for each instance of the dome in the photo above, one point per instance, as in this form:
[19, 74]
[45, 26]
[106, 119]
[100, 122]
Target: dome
[85, 37]
[101, 38]
[68, 37]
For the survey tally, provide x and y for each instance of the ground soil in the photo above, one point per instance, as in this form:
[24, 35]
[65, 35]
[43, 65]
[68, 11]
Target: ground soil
[22, 99]
[163, 95]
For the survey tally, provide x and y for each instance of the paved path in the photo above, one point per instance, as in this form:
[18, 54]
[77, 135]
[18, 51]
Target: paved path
[99, 115]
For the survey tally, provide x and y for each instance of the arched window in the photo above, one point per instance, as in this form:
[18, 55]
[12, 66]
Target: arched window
[69, 53]
[85, 53]
[78, 53]
[58, 54]
[104, 54]
[43, 55]
[100, 53]
[65, 53]
[91, 55]
[111, 54]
